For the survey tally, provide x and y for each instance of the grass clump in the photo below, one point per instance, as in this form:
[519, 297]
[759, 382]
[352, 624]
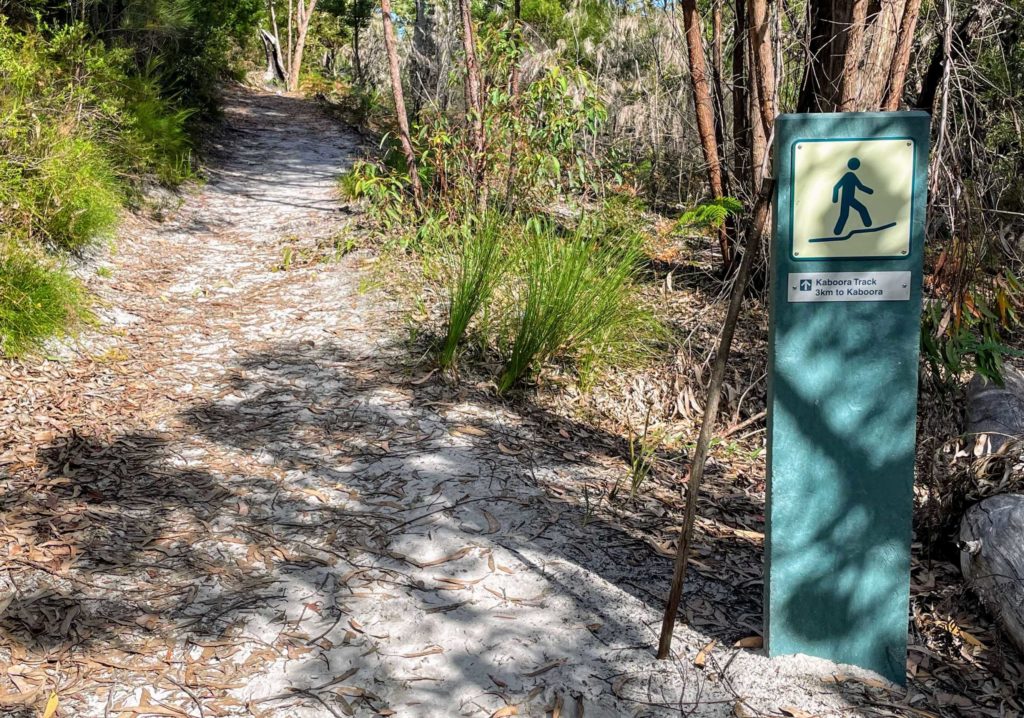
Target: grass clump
[38, 299]
[474, 268]
[74, 193]
[577, 299]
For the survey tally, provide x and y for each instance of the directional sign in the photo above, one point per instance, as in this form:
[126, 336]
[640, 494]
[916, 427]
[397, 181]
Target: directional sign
[842, 384]
[849, 286]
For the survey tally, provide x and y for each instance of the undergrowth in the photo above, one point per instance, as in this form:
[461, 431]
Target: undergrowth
[539, 252]
[474, 268]
[38, 298]
[84, 123]
[576, 298]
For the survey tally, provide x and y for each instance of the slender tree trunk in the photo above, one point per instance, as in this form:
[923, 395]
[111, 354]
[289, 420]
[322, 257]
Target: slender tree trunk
[728, 229]
[740, 99]
[290, 48]
[901, 56]
[357, 64]
[273, 22]
[391, 48]
[719, 91]
[517, 12]
[704, 107]
[305, 15]
[472, 75]
[514, 92]
[763, 65]
[762, 88]
[474, 102]
[762, 211]
[423, 61]
[758, 135]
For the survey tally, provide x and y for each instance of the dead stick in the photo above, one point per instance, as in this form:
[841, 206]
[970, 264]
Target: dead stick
[700, 454]
[743, 425]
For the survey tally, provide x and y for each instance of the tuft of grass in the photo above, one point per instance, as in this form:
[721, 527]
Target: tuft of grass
[75, 194]
[156, 128]
[642, 450]
[38, 300]
[577, 299]
[474, 269]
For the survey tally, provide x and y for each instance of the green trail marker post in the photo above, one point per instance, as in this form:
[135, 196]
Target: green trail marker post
[842, 384]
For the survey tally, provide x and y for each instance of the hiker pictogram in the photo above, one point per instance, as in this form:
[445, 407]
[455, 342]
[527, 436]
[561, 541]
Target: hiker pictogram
[844, 193]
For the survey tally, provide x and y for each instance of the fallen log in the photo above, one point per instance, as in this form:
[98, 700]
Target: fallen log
[992, 559]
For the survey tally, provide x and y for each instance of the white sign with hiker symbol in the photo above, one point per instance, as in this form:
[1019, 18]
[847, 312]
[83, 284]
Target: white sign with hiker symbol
[852, 198]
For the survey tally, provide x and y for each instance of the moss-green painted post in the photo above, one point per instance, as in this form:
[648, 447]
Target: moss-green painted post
[842, 384]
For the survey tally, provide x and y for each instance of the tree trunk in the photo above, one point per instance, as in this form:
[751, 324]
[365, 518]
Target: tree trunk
[856, 50]
[514, 92]
[273, 23]
[740, 98]
[305, 14]
[474, 102]
[704, 107]
[391, 48]
[719, 91]
[275, 67]
[762, 212]
[763, 87]
[423, 62]
[517, 11]
[881, 38]
[728, 229]
[472, 74]
[901, 56]
[992, 559]
[936, 68]
[826, 50]
[357, 64]
[291, 22]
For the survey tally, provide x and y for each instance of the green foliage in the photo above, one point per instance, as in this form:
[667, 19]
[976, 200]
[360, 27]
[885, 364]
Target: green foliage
[534, 145]
[709, 215]
[37, 300]
[577, 299]
[474, 268]
[383, 189]
[91, 104]
[73, 194]
[155, 131]
[972, 334]
[573, 23]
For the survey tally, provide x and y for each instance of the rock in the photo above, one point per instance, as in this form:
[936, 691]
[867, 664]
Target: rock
[995, 414]
[992, 559]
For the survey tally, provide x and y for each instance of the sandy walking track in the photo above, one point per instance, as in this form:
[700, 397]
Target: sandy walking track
[236, 499]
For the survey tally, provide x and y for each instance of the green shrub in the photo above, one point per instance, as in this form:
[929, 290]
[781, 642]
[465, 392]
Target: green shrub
[82, 120]
[474, 268]
[155, 133]
[37, 300]
[382, 189]
[74, 193]
[577, 298]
